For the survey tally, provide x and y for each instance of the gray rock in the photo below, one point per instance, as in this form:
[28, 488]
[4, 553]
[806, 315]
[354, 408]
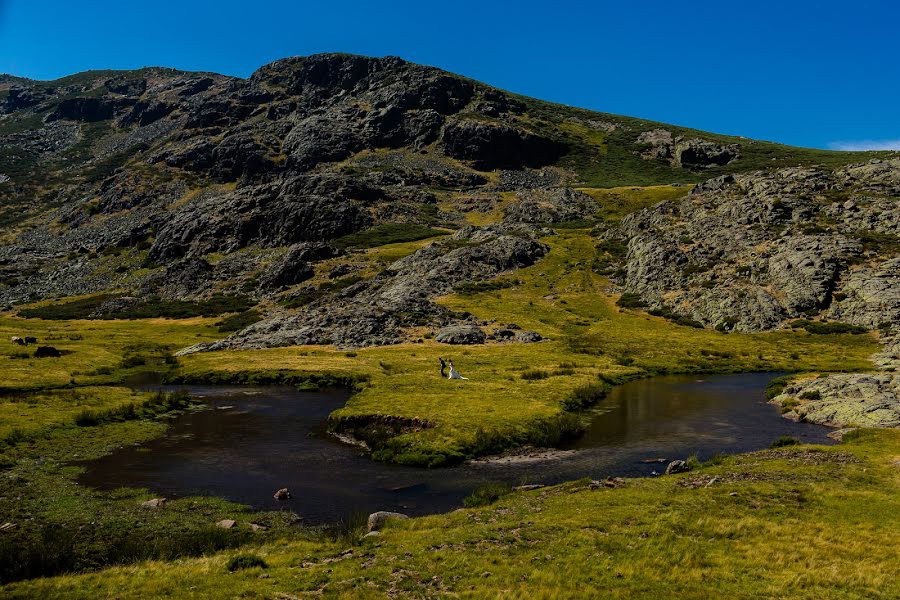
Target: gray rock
[677, 466]
[377, 519]
[700, 154]
[460, 334]
[527, 337]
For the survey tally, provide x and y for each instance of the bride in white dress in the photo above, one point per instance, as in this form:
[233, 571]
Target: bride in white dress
[454, 374]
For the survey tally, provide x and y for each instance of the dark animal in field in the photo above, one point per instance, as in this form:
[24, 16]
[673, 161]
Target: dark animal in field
[17, 340]
[443, 367]
[30, 340]
[47, 352]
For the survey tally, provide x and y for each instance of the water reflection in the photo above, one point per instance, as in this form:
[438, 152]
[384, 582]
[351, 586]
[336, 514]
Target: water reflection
[253, 441]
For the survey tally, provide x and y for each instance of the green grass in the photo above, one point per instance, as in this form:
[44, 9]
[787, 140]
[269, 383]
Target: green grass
[797, 522]
[387, 233]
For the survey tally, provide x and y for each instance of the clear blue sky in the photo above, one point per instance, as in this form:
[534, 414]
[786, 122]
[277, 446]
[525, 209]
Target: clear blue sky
[811, 73]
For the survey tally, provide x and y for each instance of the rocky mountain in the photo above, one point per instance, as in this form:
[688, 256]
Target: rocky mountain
[158, 186]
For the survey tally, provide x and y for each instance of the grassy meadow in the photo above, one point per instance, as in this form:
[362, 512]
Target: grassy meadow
[54, 411]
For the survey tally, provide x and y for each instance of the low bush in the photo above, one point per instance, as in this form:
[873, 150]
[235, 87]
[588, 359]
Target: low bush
[827, 328]
[246, 561]
[785, 440]
[239, 321]
[534, 375]
[630, 300]
[487, 494]
[85, 308]
[777, 385]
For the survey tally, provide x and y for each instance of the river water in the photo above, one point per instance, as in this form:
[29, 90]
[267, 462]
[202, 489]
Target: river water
[251, 441]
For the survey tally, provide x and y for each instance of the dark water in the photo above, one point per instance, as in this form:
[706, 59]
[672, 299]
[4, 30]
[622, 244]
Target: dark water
[253, 441]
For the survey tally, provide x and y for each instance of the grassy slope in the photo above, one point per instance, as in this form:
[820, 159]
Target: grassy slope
[803, 522]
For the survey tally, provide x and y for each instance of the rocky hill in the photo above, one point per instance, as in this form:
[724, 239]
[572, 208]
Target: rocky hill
[160, 190]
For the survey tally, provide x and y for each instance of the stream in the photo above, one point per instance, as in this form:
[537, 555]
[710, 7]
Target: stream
[251, 441]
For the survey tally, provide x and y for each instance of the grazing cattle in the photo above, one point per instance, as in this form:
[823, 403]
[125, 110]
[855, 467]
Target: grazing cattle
[30, 340]
[47, 352]
[17, 340]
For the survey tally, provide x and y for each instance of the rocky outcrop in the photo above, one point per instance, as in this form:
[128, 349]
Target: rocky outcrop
[693, 153]
[701, 154]
[376, 311]
[849, 399]
[748, 252]
[551, 205]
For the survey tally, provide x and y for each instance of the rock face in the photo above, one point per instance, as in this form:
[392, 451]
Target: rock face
[374, 312]
[551, 205]
[700, 154]
[748, 252]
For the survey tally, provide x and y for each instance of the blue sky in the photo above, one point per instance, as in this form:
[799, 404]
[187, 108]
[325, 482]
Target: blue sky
[820, 74]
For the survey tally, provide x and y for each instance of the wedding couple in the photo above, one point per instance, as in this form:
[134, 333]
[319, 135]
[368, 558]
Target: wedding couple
[453, 374]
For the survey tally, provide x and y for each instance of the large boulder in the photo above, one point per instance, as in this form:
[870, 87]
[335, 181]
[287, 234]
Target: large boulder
[701, 154]
[460, 334]
[378, 519]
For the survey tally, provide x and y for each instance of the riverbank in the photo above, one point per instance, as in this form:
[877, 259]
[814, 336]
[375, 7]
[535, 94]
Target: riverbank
[756, 525]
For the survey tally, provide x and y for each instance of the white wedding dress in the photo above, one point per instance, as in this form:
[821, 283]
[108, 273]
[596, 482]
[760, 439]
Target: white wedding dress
[454, 374]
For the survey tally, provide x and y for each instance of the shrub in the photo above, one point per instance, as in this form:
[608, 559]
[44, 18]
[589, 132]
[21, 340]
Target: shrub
[630, 300]
[827, 328]
[785, 440]
[535, 374]
[133, 360]
[246, 561]
[85, 308]
[811, 395]
[776, 386]
[239, 321]
[487, 494]
[484, 286]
